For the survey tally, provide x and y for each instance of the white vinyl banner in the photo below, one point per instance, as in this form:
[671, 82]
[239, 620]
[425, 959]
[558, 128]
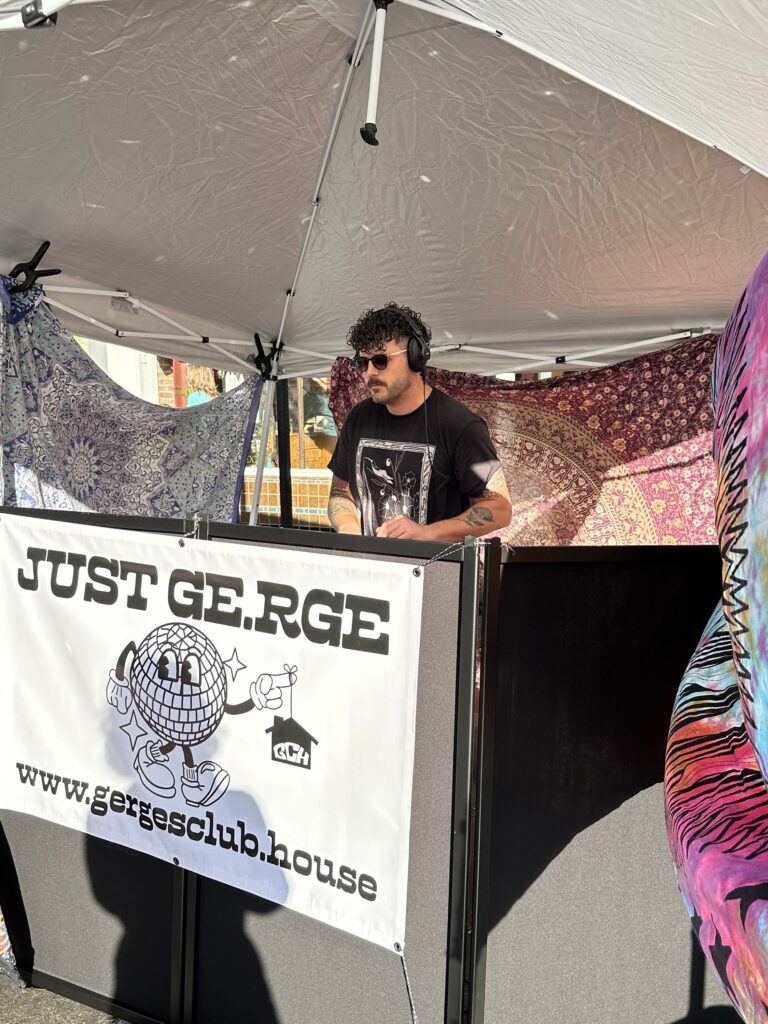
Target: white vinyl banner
[242, 711]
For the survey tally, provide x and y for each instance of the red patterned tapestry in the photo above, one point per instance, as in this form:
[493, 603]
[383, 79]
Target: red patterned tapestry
[618, 455]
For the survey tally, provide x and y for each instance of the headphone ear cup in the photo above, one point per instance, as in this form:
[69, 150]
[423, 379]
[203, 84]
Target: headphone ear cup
[416, 360]
[418, 351]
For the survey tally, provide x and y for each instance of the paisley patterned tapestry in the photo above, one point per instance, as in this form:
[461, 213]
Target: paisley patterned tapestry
[619, 455]
[73, 439]
[8, 973]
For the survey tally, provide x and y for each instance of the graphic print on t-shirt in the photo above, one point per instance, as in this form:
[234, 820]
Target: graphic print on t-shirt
[392, 480]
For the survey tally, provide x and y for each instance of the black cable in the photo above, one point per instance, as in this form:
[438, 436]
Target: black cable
[430, 453]
[426, 419]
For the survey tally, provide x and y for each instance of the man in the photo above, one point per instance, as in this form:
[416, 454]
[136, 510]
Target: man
[411, 462]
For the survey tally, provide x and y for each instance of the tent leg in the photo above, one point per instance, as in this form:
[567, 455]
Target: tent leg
[284, 453]
[267, 400]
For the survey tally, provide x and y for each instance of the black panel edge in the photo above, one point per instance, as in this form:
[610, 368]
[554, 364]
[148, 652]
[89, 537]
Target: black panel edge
[484, 782]
[104, 1004]
[606, 553]
[462, 783]
[290, 537]
[145, 523]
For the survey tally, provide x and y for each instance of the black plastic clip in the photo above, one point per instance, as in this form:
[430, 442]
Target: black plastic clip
[368, 133]
[33, 15]
[265, 360]
[30, 271]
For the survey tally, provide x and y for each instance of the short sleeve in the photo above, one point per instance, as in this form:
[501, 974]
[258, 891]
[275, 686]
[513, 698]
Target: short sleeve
[476, 460]
[339, 461]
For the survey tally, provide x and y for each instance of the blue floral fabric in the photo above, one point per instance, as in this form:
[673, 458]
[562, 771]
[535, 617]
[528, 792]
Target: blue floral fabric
[73, 439]
[8, 973]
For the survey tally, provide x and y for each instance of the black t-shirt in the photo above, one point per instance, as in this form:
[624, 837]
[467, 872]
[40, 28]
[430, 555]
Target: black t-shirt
[426, 467]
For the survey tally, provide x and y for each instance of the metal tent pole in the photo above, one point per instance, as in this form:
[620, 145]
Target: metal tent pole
[267, 400]
[34, 14]
[368, 131]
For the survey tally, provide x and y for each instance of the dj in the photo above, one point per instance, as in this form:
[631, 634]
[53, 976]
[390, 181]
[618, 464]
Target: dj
[411, 462]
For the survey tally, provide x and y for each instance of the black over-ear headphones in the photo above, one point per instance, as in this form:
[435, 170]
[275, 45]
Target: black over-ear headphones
[418, 343]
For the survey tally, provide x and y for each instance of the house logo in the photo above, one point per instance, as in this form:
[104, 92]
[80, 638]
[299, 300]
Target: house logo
[291, 743]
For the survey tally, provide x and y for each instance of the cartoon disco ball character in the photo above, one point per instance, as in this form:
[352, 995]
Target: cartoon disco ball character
[178, 682]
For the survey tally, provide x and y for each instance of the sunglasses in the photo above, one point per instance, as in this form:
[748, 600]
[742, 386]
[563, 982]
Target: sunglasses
[378, 362]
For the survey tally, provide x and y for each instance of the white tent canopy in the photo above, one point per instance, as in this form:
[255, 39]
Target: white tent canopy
[171, 149]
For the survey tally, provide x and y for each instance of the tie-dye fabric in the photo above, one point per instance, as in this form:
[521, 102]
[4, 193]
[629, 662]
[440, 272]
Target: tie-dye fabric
[717, 754]
[740, 393]
[717, 821]
[73, 439]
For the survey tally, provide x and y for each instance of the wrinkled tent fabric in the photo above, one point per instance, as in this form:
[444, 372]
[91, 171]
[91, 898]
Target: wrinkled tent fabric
[620, 455]
[73, 439]
[698, 48]
[172, 149]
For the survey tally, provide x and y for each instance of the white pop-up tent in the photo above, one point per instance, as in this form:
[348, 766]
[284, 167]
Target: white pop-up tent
[552, 179]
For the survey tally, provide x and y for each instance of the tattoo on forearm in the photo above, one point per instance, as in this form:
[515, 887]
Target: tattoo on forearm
[478, 516]
[341, 502]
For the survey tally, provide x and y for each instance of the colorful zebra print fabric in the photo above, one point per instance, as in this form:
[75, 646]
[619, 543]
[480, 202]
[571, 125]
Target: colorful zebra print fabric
[717, 821]
[717, 753]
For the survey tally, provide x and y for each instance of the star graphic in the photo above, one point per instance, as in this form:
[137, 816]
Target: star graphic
[234, 665]
[133, 730]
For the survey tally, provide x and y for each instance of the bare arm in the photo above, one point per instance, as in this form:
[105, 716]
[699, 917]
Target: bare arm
[491, 511]
[342, 510]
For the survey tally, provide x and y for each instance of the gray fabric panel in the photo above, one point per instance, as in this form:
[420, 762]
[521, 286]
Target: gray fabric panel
[602, 935]
[99, 915]
[286, 967]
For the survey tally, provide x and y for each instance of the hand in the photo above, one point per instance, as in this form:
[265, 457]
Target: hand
[267, 691]
[403, 528]
[118, 693]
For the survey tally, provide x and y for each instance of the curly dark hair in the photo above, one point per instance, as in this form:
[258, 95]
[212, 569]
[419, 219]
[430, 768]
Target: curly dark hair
[378, 326]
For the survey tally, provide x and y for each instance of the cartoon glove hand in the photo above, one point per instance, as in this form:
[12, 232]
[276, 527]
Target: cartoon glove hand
[267, 691]
[118, 693]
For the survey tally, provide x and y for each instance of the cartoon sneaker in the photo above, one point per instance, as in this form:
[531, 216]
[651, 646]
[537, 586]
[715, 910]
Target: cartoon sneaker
[156, 776]
[204, 783]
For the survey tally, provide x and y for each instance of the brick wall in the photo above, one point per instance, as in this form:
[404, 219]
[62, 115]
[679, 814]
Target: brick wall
[165, 390]
[310, 490]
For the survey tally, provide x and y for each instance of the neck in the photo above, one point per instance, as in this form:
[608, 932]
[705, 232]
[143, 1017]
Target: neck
[410, 399]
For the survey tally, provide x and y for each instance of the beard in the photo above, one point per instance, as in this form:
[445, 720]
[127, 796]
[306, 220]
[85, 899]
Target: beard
[388, 392]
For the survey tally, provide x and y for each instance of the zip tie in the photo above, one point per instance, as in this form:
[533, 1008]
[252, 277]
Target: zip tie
[194, 532]
[414, 1018]
[449, 550]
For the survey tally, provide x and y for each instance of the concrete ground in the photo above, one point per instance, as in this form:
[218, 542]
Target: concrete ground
[37, 1006]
